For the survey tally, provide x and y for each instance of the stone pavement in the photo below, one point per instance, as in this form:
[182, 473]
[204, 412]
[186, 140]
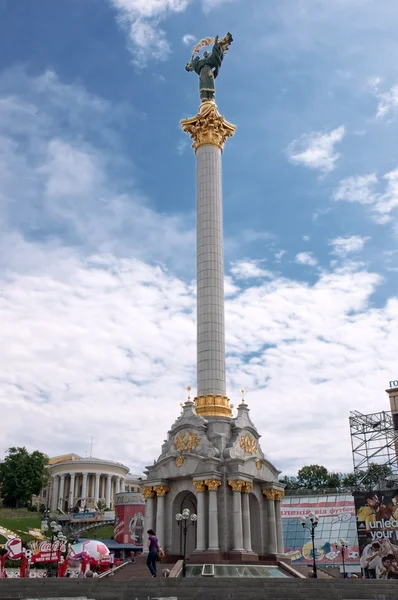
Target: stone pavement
[198, 589]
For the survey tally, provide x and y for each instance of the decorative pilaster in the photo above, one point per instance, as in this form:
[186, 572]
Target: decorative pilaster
[212, 486]
[61, 499]
[161, 491]
[272, 495]
[55, 488]
[209, 131]
[200, 488]
[84, 489]
[72, 491]
[237, 487]
[247, 537]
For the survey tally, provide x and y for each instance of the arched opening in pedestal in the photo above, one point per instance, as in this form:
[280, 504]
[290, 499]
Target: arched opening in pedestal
[255, 524]
[183, 500]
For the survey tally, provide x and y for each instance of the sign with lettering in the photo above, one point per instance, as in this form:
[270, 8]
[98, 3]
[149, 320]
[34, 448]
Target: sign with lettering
[393, 383]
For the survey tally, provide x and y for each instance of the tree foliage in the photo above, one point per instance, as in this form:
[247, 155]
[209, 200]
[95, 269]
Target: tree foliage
[22, 474]
[317, 477]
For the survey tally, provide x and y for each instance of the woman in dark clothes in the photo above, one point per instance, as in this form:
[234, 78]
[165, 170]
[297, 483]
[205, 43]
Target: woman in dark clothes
[153, 546]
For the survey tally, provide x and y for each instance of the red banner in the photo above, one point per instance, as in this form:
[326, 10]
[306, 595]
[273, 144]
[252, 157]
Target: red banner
[129, 524]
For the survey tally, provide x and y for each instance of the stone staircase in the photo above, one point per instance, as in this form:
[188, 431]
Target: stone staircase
[138, 570]
[199, 588]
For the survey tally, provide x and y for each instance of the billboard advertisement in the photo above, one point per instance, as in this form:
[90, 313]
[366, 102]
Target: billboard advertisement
[377, 526]
[336, 521]
[129, 521]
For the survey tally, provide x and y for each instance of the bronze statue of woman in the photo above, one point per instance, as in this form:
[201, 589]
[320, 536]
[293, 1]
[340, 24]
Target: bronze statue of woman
[208, 67]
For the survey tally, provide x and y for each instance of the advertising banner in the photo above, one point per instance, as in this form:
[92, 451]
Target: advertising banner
[377, 524]
[85, 516]
[129, 524]
[45, 551]
[336, 521]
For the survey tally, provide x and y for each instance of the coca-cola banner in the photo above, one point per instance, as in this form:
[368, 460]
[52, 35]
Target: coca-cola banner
[129, 522]
[45, 551]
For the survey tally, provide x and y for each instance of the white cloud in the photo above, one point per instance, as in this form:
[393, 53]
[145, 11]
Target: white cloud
[249, 269]
[95, 330]
[387, 101]
[357, 189]
[346, 245]
[208, 5]
[361, 189]
[188, 39]
[279, 255]
[306, 258]
[316, 150]
[141, 19]
[306, 238]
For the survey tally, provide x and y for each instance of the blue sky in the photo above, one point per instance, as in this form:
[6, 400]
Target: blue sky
[97, 245]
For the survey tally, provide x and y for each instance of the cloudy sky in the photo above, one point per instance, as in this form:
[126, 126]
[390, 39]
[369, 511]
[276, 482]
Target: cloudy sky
[97, 230]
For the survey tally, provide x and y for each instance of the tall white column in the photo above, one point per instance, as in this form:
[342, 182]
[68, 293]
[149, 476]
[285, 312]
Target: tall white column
[161, 491]
[212, 486]
[72, 491]
[117, 485]
[247, 538]
[201, 522]
[149, 495]
[210, 273]
[55, 489]
[84, 489]
[61, 498]
[272, 545]
[237, 514]
[97, 485]
[108, 490]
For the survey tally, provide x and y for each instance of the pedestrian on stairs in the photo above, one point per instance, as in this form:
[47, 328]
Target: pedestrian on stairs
[153, 549]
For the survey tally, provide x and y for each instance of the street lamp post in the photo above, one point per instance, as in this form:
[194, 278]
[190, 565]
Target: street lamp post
[56, 535]
[341, 547]
[313, 524]
[183, 520]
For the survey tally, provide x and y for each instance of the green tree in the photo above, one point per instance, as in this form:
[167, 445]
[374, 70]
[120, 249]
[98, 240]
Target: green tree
[317, 477]
[376, 474]
[22, 474]
[289, 482]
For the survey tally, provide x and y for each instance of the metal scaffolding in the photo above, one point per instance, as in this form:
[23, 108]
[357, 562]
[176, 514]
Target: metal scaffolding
[373, 440]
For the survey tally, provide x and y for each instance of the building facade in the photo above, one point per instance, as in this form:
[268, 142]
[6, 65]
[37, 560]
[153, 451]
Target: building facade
[77, 483]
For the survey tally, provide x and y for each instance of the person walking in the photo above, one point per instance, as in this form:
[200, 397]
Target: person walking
[153, 549]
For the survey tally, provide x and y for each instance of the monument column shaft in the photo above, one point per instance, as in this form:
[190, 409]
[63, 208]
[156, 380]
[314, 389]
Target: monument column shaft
[201, 524]
[247, 538]
[279, 529]
[213, 521]
[149, 510]
[160, 519]
[272, 539]
[237, 524]
[210, 273]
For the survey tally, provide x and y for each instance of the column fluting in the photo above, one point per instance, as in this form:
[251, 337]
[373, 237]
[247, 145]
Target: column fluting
[97, 486]
[213, 537]
[237, 514]
[55, 488]
[72, 491]
[201, 522]
[61, 499]
[210, 273]
[149, 495]
[247, 538]
[108, 490]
